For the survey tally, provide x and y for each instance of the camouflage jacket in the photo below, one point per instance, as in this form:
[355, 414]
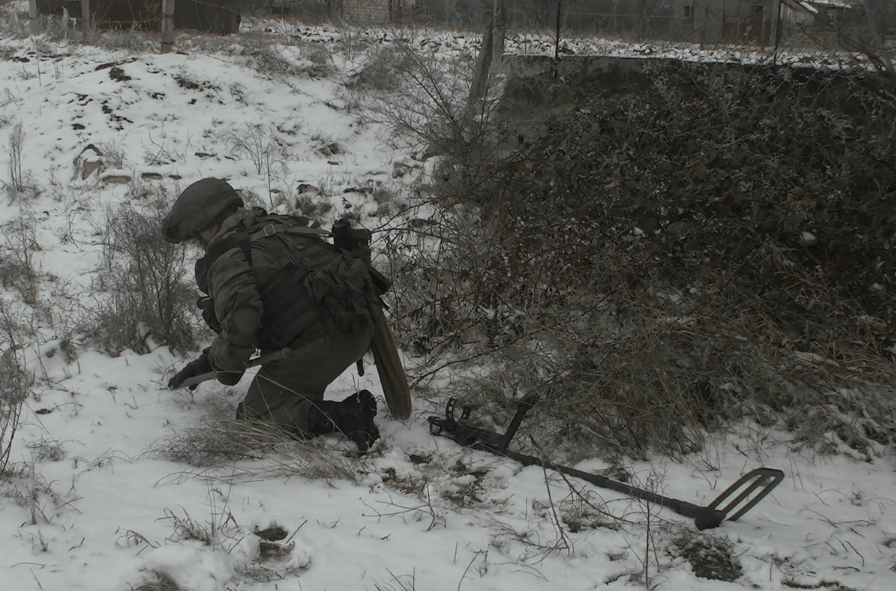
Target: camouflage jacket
[235, 280]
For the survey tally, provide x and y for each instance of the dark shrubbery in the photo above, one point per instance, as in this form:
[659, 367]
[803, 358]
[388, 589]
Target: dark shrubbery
[693, 244]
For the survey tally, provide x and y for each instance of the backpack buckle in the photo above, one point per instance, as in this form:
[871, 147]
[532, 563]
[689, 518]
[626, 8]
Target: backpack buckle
[269, 230]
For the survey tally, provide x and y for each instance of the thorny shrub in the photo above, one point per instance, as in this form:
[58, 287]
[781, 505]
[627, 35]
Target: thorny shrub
[670, 248]
[143, 279]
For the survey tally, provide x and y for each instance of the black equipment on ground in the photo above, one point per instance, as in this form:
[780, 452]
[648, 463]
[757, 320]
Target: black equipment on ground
[747, 491]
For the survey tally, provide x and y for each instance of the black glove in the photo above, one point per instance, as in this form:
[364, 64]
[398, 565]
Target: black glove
[229, 378]
[195, 368]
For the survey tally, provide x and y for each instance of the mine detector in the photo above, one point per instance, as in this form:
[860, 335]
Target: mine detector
[731, 505]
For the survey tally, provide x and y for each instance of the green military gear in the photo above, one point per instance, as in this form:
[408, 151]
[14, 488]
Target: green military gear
[273, 283]
[259, 271]
[200, 206]
[299, 277]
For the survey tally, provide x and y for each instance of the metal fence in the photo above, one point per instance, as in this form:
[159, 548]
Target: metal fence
[823, 25]
[762, 23]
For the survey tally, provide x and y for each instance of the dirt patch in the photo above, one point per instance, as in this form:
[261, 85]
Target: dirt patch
[709, 557]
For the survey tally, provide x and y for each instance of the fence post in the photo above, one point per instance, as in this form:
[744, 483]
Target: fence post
[167, 26]
[499, 14]
[557, 32]
[85, 20]
[775, 31]
[33, 21]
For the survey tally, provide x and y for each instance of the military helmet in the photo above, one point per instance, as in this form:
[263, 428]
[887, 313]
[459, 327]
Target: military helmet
[199, 207]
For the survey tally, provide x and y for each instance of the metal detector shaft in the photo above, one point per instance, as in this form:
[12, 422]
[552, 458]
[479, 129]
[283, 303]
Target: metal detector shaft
[704, 517]
[758, 482]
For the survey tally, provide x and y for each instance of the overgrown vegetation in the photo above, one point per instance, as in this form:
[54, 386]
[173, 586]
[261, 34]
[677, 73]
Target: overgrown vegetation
[662, 250]
[15, 383]
[17, 268]
[147, 296]
[16, 174]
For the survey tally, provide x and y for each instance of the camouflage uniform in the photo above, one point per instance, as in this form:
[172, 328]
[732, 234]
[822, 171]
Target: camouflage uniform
[260, 302]
[283, 390]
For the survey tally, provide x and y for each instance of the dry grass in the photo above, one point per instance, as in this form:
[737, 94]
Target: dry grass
[255, 450]
[710, 557]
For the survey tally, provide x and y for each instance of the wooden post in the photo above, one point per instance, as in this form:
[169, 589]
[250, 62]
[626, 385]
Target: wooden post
[167, 26]
[557, 36]
[775, 23]
[499, 32]
[33, 21]
[85, 20]
[776, 29]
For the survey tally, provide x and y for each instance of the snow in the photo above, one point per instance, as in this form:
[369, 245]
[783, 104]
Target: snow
[89, 504]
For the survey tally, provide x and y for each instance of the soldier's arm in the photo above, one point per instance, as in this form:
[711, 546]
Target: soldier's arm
[238, 308]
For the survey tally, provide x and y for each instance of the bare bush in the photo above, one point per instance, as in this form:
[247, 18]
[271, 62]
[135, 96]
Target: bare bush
[15, 383]
[16, 146]
[147, 298]
[269, 58]
[17, 269]
[382, 70]
[431, 106]
[260, 145]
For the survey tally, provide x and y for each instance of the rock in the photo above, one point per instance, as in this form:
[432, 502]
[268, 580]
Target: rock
[116, 179]
[90, 160]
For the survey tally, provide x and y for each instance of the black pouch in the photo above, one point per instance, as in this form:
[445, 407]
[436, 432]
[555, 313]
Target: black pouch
[206, 306]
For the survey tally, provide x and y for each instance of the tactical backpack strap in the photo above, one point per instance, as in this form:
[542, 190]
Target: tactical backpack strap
[243, 238]
[271, 228]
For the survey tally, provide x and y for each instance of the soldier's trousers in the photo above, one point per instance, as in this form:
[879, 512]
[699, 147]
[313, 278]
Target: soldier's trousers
[283, 391]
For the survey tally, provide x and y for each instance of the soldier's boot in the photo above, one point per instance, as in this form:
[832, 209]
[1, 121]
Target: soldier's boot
[353, 417]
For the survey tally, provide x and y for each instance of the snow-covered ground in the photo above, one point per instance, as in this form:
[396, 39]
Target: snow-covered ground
[90, 503]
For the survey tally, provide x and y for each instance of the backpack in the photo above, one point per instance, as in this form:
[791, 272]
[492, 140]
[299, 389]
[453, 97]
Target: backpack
[318, 279]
